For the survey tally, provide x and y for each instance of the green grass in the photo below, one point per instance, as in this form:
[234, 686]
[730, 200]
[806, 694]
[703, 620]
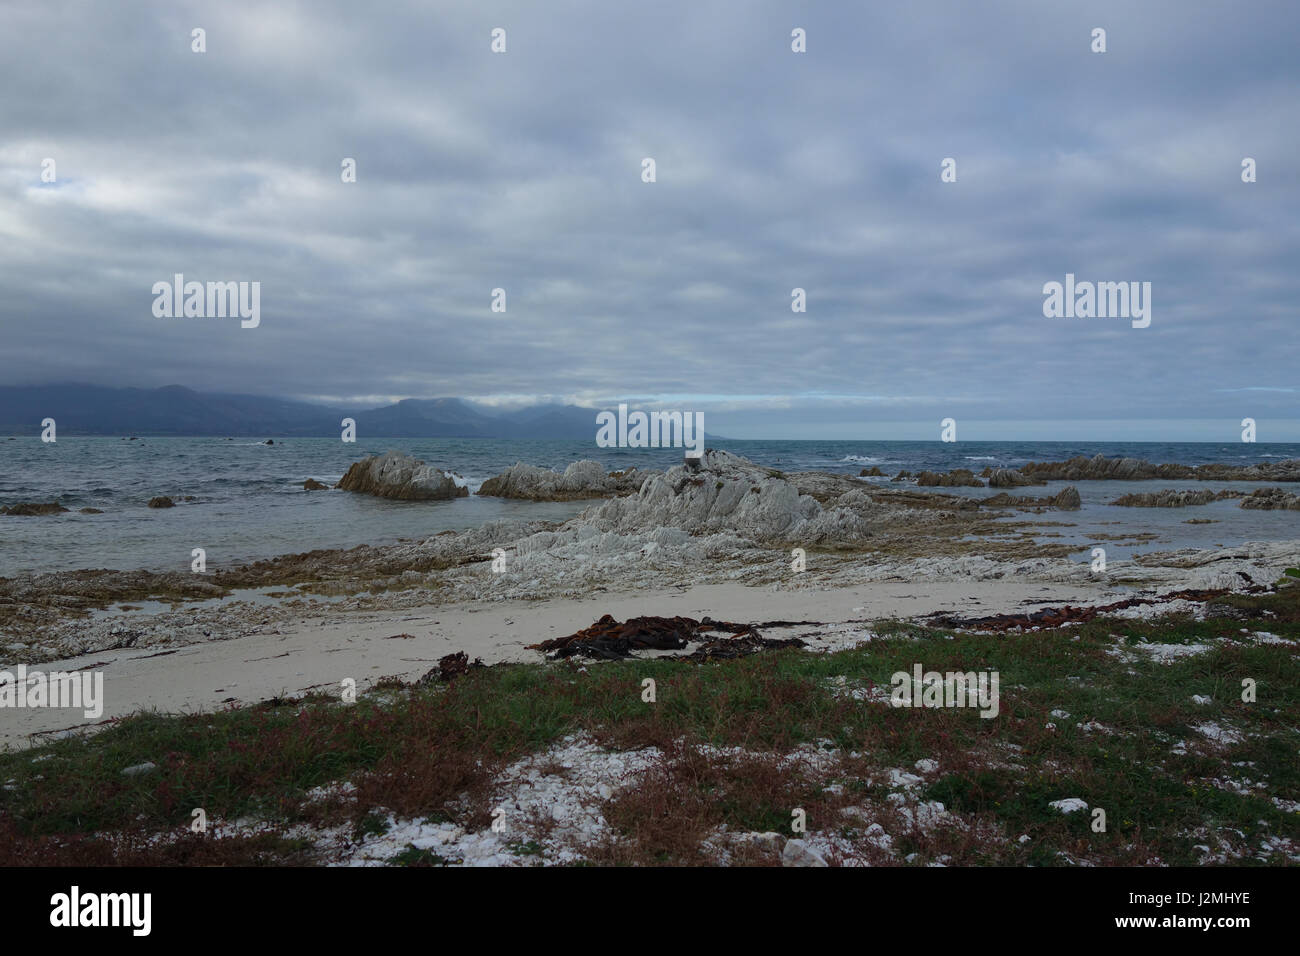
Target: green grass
[433, 752]
[412, 856]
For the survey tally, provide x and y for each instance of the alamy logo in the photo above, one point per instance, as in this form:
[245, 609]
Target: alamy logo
[1101, 300]
[953, 689]
[57, 689]
[655, 430]
[73, 909]
[213, 300]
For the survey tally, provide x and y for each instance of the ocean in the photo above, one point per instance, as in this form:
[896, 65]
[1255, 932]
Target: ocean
[249, 502]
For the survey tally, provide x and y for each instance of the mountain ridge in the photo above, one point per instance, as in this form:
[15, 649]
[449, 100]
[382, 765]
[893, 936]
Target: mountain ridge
[180, 411]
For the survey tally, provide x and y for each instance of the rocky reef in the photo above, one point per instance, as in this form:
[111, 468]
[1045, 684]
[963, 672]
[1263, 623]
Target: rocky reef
[1101, 468]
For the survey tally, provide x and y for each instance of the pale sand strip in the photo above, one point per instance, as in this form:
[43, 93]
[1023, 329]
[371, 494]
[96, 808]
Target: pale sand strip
[317, 653]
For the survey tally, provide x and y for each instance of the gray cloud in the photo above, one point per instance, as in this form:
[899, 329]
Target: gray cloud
[775, 170]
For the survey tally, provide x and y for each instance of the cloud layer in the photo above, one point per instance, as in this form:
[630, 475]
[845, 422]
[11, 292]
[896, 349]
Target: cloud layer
[775, 170]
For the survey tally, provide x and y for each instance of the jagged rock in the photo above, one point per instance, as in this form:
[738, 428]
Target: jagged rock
[397, 475]
[872, 472]
[1010, 478]
[958, 477]
[311, 484]
[1171, 498]
[1067, 499]
[729, 494]
[582, 479]
[162, 501]
[1271, 499]
[29, 509]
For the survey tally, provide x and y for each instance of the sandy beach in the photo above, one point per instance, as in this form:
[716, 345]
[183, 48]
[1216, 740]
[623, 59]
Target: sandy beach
[315, 655]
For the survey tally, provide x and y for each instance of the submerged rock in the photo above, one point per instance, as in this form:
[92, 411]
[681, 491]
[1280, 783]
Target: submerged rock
[311, 484]
[30, 509]
[398, 476]
[162, 501]
[1067, 499]
[582, 479]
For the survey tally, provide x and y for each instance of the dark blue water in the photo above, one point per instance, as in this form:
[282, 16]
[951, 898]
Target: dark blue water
[250, 503]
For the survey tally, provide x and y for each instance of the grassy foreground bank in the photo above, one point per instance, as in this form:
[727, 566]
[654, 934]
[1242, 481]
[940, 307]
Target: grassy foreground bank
[1142, 719]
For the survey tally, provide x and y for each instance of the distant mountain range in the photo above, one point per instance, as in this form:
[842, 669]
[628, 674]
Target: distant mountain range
[176, 410]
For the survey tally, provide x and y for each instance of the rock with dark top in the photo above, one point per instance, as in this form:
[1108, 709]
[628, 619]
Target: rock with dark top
[1067, 499]
[1101, 468]
[162, 501]
[1170, 498]
[29, 509]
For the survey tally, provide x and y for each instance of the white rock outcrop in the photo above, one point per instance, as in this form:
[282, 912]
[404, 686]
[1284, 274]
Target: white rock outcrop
[582, 479]
[397, 475]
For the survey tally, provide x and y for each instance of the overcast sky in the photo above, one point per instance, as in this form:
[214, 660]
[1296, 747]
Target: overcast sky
[523, 170]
